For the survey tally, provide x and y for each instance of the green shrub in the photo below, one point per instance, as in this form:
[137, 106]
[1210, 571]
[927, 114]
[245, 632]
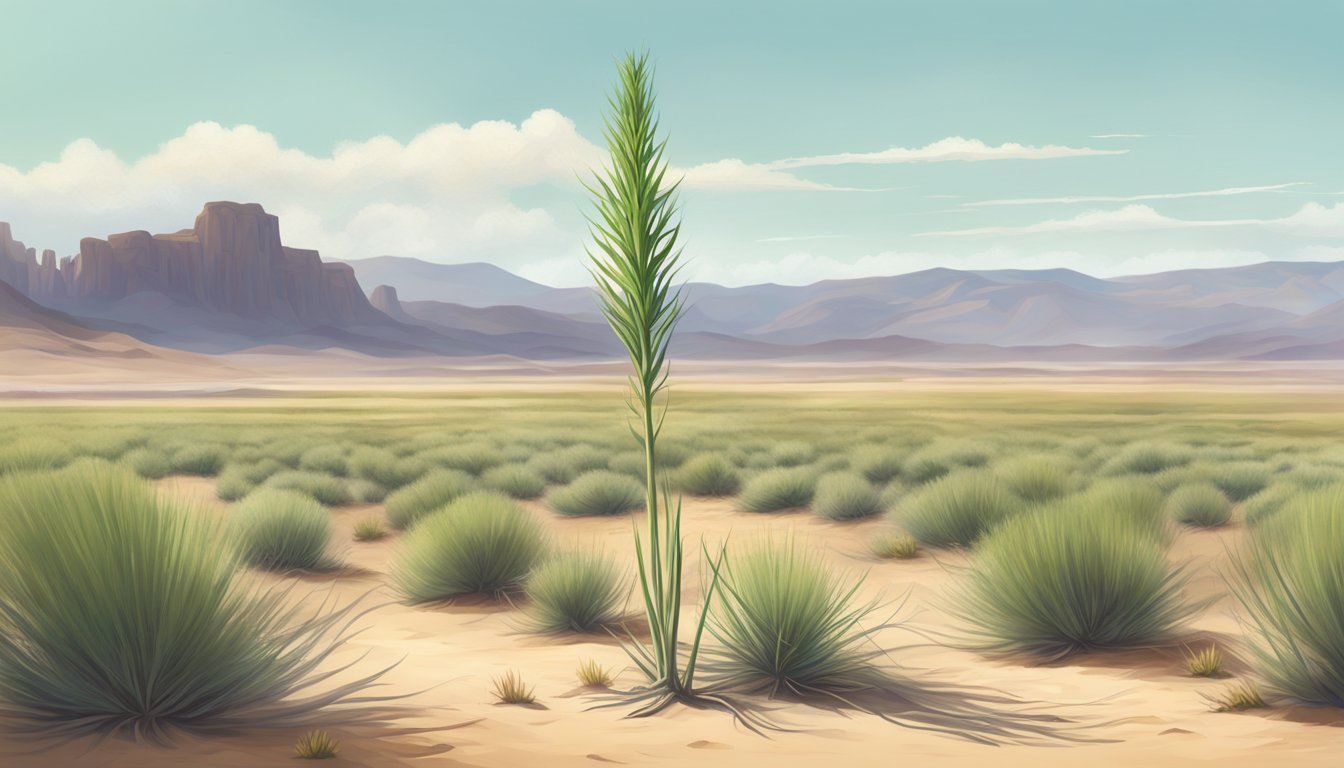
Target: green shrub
[1135, 500]
[568, 463]
[383, 467]
[1290, 583]
[1241, 480]
[777, 489]
[846, 496]
[1148, 458]
[791, 453]
[481, 543]
[877, 463]
[328, 490]
[1314, 476]
[599, 492]
[366, 491]
[147, 463]
[282, 530]
[203, 460]
[1202, 506]
[122, 613]
[238, 480]
[1036, 479]
[895, 546]
[472, 458]
[709, 474]
[1051, 583]
[631, 464]
[514, 480]
[956, 510]
[434, 490]
[577, 591]
[1267, 503]
[327, 459]
[787, 623]
[33, 453]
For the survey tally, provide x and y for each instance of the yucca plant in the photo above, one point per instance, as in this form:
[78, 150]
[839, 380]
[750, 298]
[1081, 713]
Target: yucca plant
[634, 261]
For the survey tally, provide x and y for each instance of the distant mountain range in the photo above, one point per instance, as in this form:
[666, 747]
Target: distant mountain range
[229, 284]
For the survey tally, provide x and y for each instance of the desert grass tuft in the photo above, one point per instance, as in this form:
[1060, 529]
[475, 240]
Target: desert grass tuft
[370, 529]
[515, 480]
[578, 591]
[591, 674]
[1237, 697]
[316, 745]
[599, 492]
[1199, 505]
[1267, 503]
[956, 510]
[509, 688]
[282, 530]
[846, 496]
[709, 474]
[895, 546]
[778, 489]
[126, 614]
[322, 488]
[1205, 663]
[148, 463]
[429, 493]
[481, 543]
[1036, 479]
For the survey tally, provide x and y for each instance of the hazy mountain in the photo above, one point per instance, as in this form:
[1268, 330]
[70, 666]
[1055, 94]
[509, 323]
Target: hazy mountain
[473, 285]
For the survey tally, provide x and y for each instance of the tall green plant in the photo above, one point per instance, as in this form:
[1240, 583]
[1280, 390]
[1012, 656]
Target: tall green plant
[635, 263]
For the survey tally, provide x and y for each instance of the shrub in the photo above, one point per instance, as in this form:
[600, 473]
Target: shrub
[1202, 506]
[1036, 479]
[791, 453]
[1241, 480]
[238, 480]
[27, 454]
[600, 492]
[576, 591]
[564, 465]
[316, 745]
[1148, 458]
[147, 463]
[481, 543]
[1314, 476]
[203, 460]
[958, 509]
[709, 474]
[846, 496]
[366, 491]
[1052, 583]
[787, 623]
[896, 546]
[631, 464]
[878, 464]
[1267, 503]
[383, 467]
[514, 480]
[472, 458]
[370, 529]
[325, 489]
[123, 613]
[510, 689]
[1290, 583]
[282, 530]
[327, 459]
[1134, 499]
[425, 495]
[777, 489]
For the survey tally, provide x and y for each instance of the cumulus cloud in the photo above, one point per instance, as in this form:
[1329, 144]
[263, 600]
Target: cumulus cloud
[1312, 219]
[944, 150]
[1070, 199]
[736, 175]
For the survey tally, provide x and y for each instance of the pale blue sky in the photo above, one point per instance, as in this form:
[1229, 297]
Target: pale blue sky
[1239, 98]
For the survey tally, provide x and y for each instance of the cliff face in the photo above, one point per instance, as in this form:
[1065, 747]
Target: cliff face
[231, 261]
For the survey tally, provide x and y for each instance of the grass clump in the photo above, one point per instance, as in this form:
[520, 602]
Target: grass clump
[846, 496]
[896, 546]
[509, 688]
[593, 675]
[787, 623]
[1199, 505]
[1148, 459]
[324, 489]
[481, 543]
[877, 463]
[434, 490]
[366, 491]
[1267, 503]
[370, 529]
[316, 745]
[777, 489]
[1205, 663]
[238, 480]
[577, 591]
[1240, 480]
[202, 460]
[34, 453]
[1036, 479]
[282, 530]
[1237, 697]
[515, 480]
[122, 613]
[564, 465]
[327, 459]
[1051, 583]
[709, 474]
[147, 463]
[599, 492]
[383, 467]
[1135, 499]
[472, 458]
[958, 509]
[1290, 584]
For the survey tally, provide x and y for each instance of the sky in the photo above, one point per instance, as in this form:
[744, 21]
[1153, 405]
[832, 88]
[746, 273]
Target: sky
[815, 140]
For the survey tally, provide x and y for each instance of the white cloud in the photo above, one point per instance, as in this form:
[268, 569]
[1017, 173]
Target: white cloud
[1120, 136]
[943, 150]
[797, 238]
[1069, 199]
[736, 175]
[1312, 219]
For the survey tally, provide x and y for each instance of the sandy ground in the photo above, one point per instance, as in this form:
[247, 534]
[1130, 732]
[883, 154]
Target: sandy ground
[1140, 707]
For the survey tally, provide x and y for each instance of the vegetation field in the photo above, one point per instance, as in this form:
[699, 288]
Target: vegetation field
[1059, 573]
